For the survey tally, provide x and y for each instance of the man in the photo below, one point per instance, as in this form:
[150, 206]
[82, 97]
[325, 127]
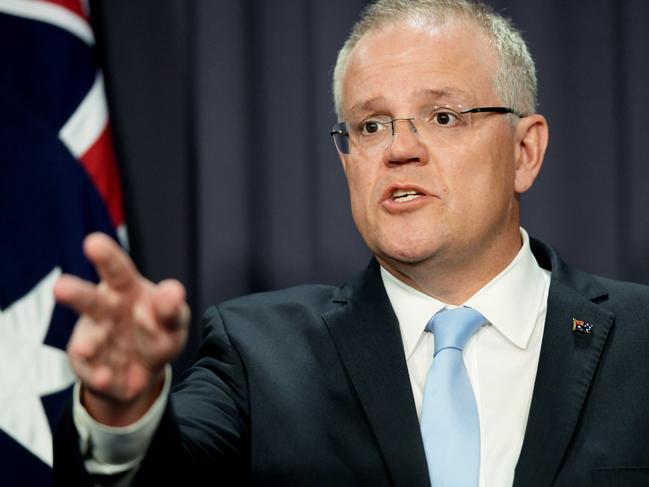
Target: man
[318, 385]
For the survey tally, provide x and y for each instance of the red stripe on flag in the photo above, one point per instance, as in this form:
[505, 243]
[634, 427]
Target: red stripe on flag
[101, 164]
[72, 5]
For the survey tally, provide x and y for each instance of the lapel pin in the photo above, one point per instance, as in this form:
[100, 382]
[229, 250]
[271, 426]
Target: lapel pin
[581, 326]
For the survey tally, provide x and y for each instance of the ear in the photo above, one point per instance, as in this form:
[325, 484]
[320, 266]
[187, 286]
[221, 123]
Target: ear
[531, 139]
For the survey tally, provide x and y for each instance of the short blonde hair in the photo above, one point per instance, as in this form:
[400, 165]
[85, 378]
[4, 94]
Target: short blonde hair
[515, 80]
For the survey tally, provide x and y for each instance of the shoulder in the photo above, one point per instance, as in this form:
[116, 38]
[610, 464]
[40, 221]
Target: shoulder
[295, 306]
[624, 299]
[307, 298]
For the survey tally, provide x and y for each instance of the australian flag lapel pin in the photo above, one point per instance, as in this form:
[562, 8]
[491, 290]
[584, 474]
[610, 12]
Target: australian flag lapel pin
[581, 326]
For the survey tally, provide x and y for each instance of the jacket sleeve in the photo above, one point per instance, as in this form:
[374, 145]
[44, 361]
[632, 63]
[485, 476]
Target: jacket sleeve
[203, 433]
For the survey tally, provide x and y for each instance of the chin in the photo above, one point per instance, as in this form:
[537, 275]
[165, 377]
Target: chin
[408, 254]
[406, 244]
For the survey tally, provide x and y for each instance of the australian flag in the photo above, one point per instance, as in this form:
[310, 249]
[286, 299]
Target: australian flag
[58, 182]
[581, 326]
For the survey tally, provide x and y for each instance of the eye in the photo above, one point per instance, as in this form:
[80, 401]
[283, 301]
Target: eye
[445, 117]
[372, 127]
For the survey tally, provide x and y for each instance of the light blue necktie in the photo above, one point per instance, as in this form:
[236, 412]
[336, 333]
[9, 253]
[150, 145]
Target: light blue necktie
[450, 426]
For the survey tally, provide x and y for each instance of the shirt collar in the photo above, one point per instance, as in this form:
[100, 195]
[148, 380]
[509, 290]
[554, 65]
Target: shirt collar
[511, 301]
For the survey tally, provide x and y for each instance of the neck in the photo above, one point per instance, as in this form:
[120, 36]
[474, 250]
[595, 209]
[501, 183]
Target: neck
[454, 280]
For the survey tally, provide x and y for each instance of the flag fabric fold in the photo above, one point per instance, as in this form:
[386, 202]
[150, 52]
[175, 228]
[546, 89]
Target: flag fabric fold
[58, 182]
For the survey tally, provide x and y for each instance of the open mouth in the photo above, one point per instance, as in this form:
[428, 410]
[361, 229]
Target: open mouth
[403, 195]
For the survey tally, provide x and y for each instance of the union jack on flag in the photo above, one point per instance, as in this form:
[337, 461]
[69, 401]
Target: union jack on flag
[58, 182]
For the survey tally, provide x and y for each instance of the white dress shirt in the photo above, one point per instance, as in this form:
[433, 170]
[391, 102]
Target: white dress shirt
[501, 360]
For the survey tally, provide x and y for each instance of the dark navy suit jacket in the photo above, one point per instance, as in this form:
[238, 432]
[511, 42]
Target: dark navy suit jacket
[309, 386]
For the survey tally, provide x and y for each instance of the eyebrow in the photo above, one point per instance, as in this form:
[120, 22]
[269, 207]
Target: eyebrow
[367, 105]
[444, 94]
[440, 94]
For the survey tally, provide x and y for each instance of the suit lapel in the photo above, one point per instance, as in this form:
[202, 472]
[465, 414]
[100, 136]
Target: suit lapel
[366, 333]
[567, 364]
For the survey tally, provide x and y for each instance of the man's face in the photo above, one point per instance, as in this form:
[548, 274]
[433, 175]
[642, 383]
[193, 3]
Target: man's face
[465, 198]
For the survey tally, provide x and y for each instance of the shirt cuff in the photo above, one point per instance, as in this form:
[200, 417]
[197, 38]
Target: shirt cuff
[109, 449]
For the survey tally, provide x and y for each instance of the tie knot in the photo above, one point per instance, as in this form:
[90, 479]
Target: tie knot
[452, 328]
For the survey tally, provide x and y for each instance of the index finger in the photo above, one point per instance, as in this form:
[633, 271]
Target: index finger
[112, 263]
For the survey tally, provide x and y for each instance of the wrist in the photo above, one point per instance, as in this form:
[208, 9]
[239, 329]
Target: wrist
[117, 413]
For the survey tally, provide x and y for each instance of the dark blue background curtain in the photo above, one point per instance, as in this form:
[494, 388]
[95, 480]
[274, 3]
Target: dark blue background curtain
[222, 109]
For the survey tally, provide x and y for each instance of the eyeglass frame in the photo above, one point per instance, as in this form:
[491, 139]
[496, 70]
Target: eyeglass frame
[340, 129]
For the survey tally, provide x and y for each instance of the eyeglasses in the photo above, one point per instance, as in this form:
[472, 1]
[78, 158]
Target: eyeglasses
[440, 125]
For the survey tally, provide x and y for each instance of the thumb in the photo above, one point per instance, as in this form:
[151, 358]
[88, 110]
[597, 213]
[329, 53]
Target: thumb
[169, 306]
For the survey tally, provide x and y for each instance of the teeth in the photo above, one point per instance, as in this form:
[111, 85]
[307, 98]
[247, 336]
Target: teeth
[405, 195]
[408, 197]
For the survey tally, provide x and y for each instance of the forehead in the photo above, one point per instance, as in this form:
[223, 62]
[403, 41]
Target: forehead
[403, 64]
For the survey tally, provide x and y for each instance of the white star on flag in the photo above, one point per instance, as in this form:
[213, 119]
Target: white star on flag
[30, 369]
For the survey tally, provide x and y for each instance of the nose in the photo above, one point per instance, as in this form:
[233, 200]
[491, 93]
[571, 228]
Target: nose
[405, 145]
